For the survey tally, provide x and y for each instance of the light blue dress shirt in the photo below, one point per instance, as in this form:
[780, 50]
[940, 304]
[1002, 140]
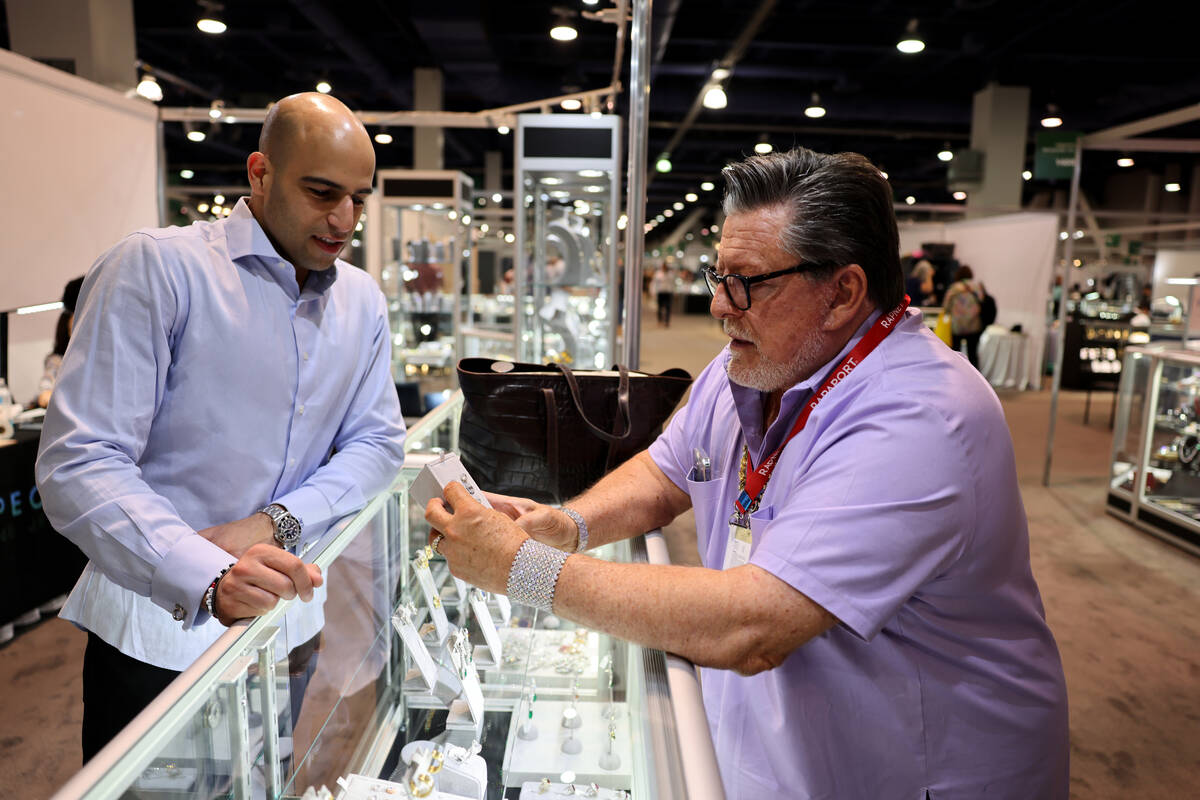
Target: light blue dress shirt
[200, 385]
[896, 509]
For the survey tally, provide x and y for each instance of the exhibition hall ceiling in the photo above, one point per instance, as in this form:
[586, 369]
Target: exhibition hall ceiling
[1098, 62]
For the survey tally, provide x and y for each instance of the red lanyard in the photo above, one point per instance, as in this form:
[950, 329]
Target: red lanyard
[756, 478]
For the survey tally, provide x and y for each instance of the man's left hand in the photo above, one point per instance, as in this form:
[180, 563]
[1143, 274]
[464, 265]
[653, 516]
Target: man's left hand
[240, 535]
[479, 543]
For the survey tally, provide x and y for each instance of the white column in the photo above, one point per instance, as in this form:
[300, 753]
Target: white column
[428, 143]
[999, 129]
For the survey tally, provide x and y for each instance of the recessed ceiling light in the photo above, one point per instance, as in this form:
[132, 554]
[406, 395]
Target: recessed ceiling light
[383, 137]
[911, 42]
[691, 197]
[550, 180]
[946, 154]
[1125, 161]
[910, 200]
[563, 33]
[323, 87]
[707, 186]
[211, 24]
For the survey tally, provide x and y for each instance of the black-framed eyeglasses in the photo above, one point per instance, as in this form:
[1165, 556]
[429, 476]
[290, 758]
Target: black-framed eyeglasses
[738, 286]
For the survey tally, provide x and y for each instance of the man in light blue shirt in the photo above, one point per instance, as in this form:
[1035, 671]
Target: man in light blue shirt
[226, 395]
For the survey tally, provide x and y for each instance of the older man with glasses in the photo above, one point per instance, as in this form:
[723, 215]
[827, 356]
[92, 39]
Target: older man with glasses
[866, 615]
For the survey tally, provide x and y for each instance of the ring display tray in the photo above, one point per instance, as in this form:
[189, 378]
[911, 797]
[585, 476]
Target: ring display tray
[534, 759]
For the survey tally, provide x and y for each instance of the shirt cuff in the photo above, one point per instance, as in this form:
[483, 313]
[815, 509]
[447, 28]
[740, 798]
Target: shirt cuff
[179, 583]
[307, 505]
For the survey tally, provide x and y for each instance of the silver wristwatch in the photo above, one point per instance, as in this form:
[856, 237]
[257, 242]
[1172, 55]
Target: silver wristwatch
[287, 527]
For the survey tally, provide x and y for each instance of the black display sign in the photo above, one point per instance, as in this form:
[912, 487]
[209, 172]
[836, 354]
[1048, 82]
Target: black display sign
[568, 142]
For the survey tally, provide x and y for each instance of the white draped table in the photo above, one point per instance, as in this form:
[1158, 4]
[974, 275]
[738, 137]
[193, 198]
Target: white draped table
[1003, 358]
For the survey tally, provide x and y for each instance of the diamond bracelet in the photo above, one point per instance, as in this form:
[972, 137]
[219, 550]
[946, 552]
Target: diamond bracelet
[581, 525]
[534, 574]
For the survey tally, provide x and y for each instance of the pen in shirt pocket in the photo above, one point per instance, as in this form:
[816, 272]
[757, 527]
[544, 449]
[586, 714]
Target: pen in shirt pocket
[701, 465]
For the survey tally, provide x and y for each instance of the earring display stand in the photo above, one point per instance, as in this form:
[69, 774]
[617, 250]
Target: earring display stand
[533, 759]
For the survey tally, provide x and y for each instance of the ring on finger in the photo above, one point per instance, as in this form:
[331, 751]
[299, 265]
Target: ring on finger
[437, 540]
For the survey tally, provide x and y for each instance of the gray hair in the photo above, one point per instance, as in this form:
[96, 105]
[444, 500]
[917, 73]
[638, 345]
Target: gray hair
[840, 212]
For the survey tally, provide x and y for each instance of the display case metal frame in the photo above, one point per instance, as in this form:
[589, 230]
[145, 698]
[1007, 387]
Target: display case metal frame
[564, 144]
[1137, 438]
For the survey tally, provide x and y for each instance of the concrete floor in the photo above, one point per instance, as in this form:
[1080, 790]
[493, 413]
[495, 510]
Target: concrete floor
[1120, 602]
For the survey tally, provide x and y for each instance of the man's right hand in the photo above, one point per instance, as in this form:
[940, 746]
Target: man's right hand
[260, 578]
[543, 523]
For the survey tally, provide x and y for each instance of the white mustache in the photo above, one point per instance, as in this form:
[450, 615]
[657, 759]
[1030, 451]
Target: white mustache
[732, 332]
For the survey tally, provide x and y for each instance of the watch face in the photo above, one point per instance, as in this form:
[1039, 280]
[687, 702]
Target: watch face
[287, 529]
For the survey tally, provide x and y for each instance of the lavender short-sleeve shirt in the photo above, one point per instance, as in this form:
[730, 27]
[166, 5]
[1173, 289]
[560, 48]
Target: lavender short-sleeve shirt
[896, 509]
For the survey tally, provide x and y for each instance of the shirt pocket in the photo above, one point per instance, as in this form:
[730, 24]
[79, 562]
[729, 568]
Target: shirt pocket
[707, 505]
[759, 520]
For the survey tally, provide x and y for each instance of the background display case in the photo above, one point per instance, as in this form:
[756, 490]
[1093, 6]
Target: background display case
[421, 687]
[566, 193]
[427, 263]
[1155, 476]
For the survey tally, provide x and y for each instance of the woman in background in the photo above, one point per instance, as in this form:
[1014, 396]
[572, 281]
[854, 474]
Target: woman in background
[62, 335]
[964, 301]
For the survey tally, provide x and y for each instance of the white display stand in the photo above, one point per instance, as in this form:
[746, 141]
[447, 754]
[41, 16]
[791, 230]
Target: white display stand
[538, 791]
[534, 759]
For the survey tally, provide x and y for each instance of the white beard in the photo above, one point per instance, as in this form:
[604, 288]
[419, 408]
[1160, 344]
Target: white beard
[770, 376]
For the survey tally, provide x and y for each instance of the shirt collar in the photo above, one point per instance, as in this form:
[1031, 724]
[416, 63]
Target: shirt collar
[749, 402]
[245, 238]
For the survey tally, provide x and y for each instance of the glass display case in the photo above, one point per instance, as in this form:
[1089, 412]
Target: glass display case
[418, 686]
[426, 264]
[1155, 477]
[566, 193]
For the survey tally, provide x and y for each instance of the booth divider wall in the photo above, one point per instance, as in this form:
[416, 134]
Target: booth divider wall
[85, 159]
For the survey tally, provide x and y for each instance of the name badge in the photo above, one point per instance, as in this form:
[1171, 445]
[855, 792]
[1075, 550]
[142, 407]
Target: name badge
[737, 549]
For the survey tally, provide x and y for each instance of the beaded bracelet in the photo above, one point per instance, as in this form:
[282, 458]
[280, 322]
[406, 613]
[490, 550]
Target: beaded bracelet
[210, 594]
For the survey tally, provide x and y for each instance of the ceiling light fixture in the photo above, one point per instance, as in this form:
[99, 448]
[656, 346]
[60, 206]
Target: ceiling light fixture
[563, 32]
[211, 21]
[571, 104]
[1026, 175]
[960, 195]
[497, 197]
[911, 42]
[202, 208]
[383, 137]
[677, 206]
[219, 199]
[946, 154]
[1172, 187]
[1124, 161]
[910, 200]
[668, 212]
[1052, 119]
[720, 73]
[503, 130]
[194, 134]
[323, 87]
[691, 197]
[714, 97]
[707, 186]
[664, 163]
[148, 88]
[217, 109]
[815, 110]
[186, 174]
[763, 146]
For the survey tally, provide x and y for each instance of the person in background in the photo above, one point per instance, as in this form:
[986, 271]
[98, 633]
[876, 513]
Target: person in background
[865, 630]
[663, 287]
[227, 395]
[963, 303]
[919, 284]
[62, 335]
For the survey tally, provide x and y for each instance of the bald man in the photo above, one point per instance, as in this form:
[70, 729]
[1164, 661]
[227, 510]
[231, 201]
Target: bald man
[227, 395]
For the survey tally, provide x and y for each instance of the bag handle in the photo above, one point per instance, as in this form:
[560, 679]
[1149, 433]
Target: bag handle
[622, 404]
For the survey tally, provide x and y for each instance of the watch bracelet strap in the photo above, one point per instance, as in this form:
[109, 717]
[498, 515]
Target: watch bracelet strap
[533, 576]
[210, 594]
[580, 525]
